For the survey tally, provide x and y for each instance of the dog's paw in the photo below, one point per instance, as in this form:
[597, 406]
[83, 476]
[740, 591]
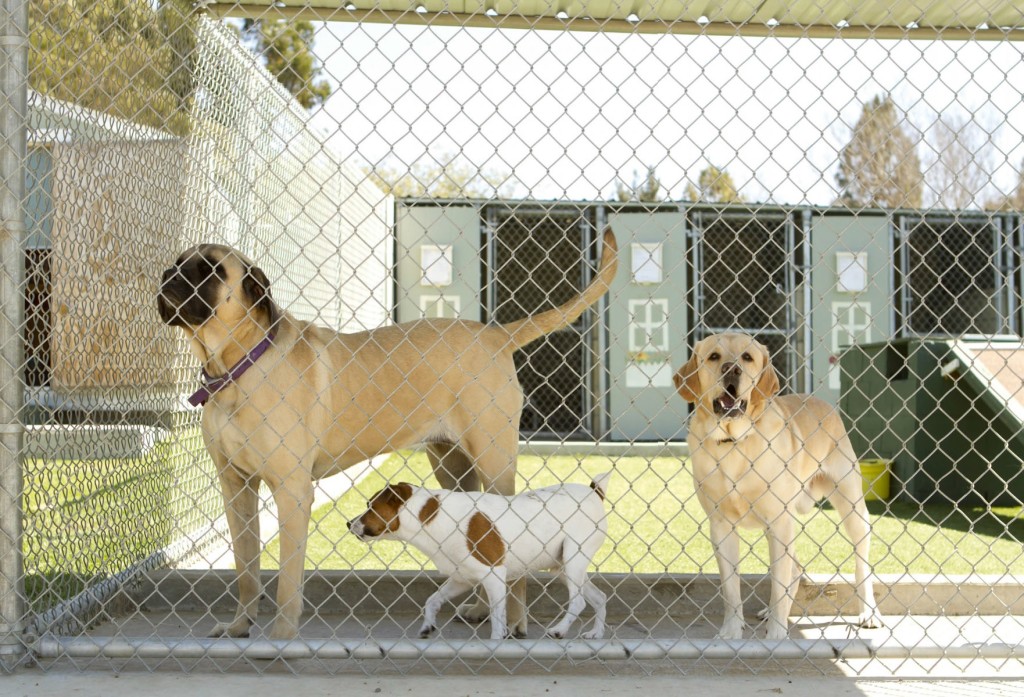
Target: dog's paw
[426, 630]
[594, 634]
[764, 613]
[777, 632]
[237, 629]
[731, 630]
[556, 633]
[518, 629]
[283, 631]
[870, 619]
[472, 613]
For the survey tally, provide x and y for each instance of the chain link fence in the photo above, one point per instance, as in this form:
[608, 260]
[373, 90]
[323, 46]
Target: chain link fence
[197, 188]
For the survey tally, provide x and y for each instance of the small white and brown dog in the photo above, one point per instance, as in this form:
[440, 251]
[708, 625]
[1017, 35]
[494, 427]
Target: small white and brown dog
[491, 540]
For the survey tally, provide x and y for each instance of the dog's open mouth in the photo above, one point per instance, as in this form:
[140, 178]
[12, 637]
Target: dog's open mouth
[728, 406]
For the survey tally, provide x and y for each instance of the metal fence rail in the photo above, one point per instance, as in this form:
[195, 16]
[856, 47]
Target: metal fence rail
[845, 192]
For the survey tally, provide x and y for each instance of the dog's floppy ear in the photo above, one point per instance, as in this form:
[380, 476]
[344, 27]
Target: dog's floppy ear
[687, 380]
[256, 287]
[402, 492]
[394, 495]
[767, 385]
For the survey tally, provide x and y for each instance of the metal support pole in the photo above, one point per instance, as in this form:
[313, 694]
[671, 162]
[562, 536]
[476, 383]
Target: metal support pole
[13, 120]
[539, 649]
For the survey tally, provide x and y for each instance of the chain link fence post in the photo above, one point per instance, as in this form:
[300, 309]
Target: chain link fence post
[13, 78]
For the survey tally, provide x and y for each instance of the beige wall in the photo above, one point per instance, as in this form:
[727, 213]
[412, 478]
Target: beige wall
[117, 220]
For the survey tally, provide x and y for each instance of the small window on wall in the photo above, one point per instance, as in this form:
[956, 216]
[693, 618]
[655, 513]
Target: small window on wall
[646, 262]
[852, 272]
[437, 265]
[439, 306]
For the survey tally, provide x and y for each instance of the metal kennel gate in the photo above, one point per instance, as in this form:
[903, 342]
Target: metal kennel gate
[534, 261]
[955, 276]
[748, 276]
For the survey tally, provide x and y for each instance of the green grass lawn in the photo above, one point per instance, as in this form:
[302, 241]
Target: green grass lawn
[656, 525]
[85, 520]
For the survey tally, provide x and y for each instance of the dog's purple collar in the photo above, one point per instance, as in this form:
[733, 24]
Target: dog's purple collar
[212, 385]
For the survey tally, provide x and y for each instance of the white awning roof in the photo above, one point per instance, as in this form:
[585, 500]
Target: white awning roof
[912, 19]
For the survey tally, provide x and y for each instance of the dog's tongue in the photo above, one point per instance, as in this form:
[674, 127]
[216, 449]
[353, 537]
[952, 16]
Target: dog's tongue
[727, 401]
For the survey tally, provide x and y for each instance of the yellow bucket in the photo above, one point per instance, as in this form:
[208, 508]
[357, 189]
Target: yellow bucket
[875, 476]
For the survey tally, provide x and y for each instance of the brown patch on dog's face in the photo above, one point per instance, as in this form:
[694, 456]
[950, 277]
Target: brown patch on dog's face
[484, 541]
[730, 374]
[381, 516]
[190, 289]
[429, 510]
[213, 280]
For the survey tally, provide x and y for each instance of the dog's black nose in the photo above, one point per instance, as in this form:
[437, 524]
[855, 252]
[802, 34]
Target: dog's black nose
[731, 369]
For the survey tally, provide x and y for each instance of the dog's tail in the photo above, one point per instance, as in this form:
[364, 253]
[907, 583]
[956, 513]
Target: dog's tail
[522, 332]
[600, 483]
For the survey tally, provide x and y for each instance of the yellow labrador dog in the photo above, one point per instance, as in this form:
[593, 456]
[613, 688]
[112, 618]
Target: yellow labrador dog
[288, 402]
[760, 460]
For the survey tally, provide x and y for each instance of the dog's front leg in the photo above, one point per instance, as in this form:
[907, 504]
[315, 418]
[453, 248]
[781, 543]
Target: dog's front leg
[294, 498]
[784, 581]
[241, 505]
[727, 551]
[496, 587]
[449, 590]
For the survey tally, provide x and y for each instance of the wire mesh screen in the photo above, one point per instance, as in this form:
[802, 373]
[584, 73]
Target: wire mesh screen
[747, 281]
[373, 337]
[539, 263]
[953, 278]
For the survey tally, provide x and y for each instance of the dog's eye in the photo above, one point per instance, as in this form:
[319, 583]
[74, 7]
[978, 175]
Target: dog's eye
[714, 357]
[747, 357]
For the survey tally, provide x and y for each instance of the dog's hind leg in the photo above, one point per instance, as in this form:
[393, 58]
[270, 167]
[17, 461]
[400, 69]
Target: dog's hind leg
[599, 601]
[492, 466]
[452, 467]
[456, 471]
[241, 505]
[848, 500]
[495, 456]
[574, 574]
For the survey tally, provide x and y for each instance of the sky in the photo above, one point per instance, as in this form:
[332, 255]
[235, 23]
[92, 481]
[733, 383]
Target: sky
[567, 113]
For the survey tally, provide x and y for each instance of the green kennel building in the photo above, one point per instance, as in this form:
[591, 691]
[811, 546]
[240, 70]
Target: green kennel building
[807, 282]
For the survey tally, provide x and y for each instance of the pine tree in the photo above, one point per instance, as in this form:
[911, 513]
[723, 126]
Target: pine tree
[879, 167]
[287, 51]
[131, 59]
[716, 186]
[648, 190]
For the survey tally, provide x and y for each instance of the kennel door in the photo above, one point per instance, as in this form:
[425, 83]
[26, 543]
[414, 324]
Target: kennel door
[951, 276]
[747, 280]
[536, 259]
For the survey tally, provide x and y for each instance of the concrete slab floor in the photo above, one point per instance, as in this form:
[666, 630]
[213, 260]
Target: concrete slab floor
[73, 684]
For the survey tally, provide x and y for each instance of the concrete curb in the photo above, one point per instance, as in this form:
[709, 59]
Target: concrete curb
[687, 595]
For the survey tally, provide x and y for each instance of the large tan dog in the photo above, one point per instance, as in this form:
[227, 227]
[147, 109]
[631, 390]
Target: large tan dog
[310, 402]
[759, 460]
